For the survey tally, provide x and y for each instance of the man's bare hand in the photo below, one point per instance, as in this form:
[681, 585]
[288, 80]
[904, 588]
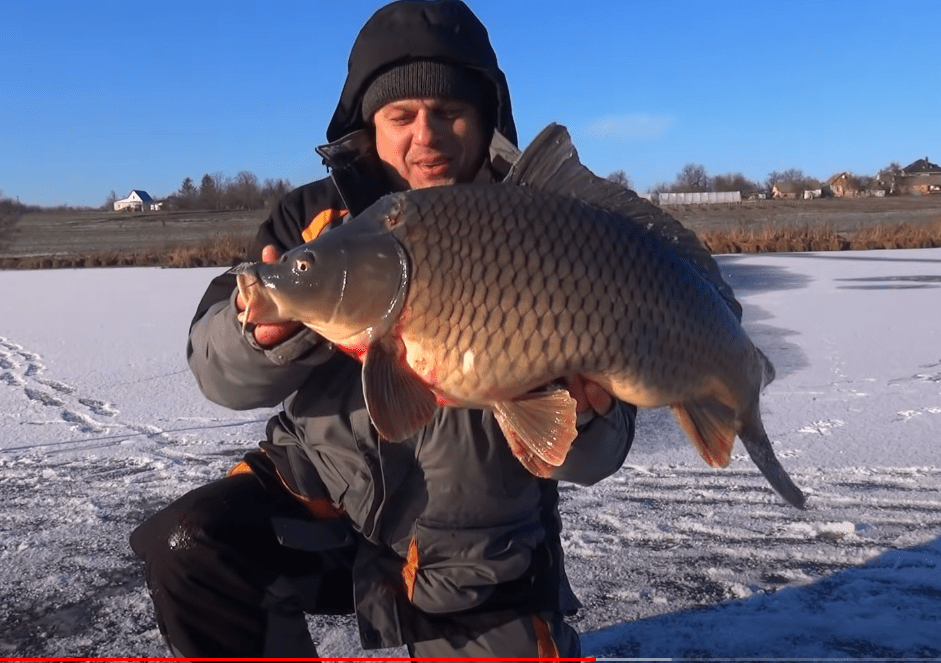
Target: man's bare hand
[589, 395]
[269, 334]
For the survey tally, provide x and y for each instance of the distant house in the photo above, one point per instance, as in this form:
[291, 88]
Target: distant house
[922, 167]
[919, 178]
[136, 200]
[841, 185]
[787, 190]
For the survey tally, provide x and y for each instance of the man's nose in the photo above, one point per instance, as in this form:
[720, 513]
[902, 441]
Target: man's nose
[428, 127]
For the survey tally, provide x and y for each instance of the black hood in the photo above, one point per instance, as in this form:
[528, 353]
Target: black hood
[441, 30]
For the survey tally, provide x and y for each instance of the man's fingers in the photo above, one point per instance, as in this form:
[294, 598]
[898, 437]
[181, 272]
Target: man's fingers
[576, 387]
[589, 395]
[270, 254]
[273, 333]
[599, 400]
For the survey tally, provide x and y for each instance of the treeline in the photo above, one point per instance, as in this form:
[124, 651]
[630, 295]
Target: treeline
[218, 192]
[694, 178]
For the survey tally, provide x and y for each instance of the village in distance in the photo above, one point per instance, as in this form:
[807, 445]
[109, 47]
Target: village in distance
[214, 222]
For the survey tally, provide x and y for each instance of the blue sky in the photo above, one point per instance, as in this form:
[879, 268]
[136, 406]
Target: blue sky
[98, 95]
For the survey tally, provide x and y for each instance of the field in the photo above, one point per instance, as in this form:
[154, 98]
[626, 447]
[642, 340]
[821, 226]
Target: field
[823, 224]
[96, 238]
[190, 239]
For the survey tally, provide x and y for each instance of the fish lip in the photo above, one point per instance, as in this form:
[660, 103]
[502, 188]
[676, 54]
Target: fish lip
[244, 268]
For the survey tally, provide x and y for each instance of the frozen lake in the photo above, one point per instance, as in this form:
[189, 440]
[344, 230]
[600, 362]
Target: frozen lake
[101, 424]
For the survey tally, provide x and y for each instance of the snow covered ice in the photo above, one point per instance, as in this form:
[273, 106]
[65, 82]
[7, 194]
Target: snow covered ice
[101, 424]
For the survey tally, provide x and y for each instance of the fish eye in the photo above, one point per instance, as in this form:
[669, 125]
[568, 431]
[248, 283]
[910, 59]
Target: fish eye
[302, 264]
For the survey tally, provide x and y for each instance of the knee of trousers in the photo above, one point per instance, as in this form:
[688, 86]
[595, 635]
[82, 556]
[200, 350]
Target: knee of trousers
[191, 531]
[169, 542]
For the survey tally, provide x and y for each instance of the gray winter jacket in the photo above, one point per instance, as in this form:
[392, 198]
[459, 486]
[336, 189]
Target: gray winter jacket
[485, 530]
[447, 521]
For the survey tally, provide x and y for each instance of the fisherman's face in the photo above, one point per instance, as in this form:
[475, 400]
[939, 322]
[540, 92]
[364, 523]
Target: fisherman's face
[430, 142]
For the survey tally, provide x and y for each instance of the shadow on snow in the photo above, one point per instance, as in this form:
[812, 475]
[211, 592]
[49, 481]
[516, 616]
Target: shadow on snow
[886, 608]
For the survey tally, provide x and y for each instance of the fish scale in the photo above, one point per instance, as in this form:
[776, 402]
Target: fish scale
[481, 295]
[561, 320]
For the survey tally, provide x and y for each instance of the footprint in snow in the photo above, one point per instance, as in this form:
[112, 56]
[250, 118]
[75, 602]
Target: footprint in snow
[84, 423]
[61, 387]
[101, 408]
[42, 397]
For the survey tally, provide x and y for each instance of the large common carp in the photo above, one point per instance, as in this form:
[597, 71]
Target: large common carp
[481, 295]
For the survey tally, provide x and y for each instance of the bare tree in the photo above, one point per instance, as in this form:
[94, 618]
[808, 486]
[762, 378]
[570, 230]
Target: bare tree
[794, 175]
[620, 177]
[892, 169]
[862, 182]
[243, 192]
[661, 187]
[693, 178]
[274, 190]
[735, 182]
[110, 201]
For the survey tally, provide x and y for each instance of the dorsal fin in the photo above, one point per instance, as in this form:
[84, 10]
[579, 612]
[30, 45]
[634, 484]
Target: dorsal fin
[550, 163]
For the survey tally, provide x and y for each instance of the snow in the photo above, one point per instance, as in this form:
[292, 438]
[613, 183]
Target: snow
[101, 424]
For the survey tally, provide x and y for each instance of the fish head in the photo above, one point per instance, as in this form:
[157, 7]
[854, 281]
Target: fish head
[348, 285]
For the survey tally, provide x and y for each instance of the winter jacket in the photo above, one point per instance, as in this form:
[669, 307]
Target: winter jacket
[446, 521]
[451, 520]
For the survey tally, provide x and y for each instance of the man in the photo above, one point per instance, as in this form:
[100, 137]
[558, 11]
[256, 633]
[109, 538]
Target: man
[443, 542]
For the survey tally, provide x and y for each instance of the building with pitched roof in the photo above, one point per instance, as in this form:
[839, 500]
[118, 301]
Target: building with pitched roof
[136, 200]
[919, 178]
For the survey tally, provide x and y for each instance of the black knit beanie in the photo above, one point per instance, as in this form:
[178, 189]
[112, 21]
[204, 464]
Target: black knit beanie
[427, 79]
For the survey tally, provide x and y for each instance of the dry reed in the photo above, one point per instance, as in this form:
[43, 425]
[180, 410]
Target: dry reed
[820, 238]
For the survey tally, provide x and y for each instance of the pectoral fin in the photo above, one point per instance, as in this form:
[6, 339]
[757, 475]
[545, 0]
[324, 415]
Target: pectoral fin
[398, 401]
[533, 463]
[540, 427]
[710, 425]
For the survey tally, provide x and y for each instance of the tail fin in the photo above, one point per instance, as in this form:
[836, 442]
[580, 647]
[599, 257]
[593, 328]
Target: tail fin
[759, 449]
[711, 425]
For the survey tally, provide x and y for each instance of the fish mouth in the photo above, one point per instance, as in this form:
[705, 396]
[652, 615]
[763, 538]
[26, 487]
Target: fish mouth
[258, 305]
[248, 284]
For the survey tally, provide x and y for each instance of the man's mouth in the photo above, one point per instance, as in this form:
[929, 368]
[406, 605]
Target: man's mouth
[433, 165]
